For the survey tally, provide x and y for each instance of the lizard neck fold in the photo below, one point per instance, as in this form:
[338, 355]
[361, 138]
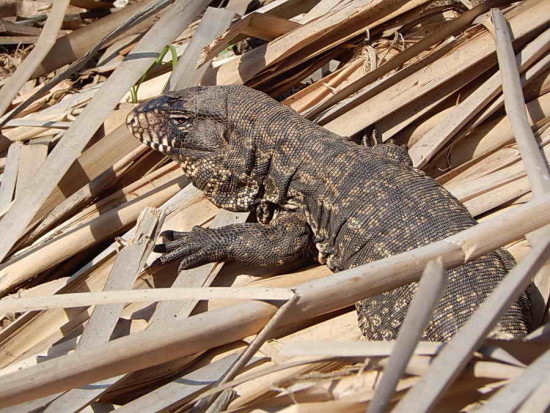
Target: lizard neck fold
[274, 148]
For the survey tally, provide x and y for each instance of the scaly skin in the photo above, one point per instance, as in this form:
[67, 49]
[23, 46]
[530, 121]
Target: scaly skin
[310, 187]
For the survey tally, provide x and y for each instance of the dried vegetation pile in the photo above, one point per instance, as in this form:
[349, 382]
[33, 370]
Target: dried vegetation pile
[88, 322]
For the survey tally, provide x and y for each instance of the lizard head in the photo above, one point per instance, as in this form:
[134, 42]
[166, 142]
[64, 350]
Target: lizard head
[180, 125]
[205, 130]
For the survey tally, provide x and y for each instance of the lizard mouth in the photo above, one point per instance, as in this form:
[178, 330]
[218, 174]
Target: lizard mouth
[151, 129]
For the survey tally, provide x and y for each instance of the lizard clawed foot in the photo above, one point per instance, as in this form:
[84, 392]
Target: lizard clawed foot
[198, 247]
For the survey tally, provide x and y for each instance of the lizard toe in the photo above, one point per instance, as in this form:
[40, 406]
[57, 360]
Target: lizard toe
[170, 235]
[194, 260]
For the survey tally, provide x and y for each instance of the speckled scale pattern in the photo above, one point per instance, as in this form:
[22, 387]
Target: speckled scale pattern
[353, 203]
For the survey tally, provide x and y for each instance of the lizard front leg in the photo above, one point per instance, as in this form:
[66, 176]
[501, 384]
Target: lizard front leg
[284, 240]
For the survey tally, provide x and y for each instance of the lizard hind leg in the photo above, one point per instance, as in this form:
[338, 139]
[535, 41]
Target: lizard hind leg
[393, 151]
[389, 149]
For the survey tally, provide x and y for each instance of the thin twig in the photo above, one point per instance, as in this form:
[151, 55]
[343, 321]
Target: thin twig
[32, 61]
[430, 289]
[539, 400]
[137, 18]
[431, 142]
[214, 328]
[79, 199]
[213, 23]
[508, 399]
[9, 178]
[430, 40]
[75, 300]
[127, 266]
[103, 320]
[184, 387]
[514, 102]
[170, 25]
[533, 158]
[251, 349]
[448, 365]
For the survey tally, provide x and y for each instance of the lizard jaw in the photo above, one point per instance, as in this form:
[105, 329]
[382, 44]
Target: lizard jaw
[146, 127]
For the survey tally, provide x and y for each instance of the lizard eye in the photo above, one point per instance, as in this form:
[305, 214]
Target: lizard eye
[180, 120]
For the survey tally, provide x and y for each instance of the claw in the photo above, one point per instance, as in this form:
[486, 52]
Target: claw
[194, 248]
[167, 235]
[194, 260]
[160, 248]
